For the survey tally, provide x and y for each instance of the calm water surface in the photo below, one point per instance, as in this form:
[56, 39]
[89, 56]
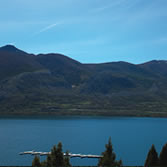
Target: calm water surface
[131, 137]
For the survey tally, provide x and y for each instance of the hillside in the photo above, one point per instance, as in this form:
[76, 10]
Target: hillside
[54, 84]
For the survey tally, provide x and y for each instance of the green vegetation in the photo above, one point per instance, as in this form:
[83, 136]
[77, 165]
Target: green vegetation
[153, 160]
[163, 156]
[108, 157]
[36, 162]
[55, 159]
[58, 159]
[40, 104]
[53, 84]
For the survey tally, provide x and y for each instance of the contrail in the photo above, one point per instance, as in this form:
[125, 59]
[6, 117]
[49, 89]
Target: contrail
[48, 28]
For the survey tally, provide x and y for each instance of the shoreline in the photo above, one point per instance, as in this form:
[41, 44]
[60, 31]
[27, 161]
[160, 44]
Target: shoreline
[53, 116]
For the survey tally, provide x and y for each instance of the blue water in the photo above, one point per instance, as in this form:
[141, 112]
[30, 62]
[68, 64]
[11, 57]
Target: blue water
[131, 137]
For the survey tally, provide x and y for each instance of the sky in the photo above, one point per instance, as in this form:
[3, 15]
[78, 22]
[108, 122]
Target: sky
[90, 31]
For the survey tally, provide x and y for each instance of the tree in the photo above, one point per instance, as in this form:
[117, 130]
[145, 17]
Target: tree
[57, 158]
[67, 160]
[152, 158]
[108, 158]
[49, 161]
[36, 162]
[163, 156]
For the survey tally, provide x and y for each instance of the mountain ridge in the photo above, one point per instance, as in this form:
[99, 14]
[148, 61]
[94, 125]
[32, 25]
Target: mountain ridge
[63, 86]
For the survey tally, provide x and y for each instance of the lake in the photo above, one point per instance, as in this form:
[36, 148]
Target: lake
[131, 137]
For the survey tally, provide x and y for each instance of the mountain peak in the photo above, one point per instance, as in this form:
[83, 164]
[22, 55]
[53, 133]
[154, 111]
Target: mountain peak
[10, 48]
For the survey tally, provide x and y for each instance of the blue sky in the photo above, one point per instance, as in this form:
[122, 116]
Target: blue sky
[90, 31]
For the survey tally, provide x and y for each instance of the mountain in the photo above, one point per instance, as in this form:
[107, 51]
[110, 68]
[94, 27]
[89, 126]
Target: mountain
[10, 48]
[62, 66]
[54, 84]
[157, 67]
[14, 61]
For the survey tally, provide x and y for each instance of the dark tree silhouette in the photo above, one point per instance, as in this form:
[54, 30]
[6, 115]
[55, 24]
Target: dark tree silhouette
[48, 161]
[152, 158]
[56, 158]
[108, 157]
[36, 162]
[67, 160]
[163, 156]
